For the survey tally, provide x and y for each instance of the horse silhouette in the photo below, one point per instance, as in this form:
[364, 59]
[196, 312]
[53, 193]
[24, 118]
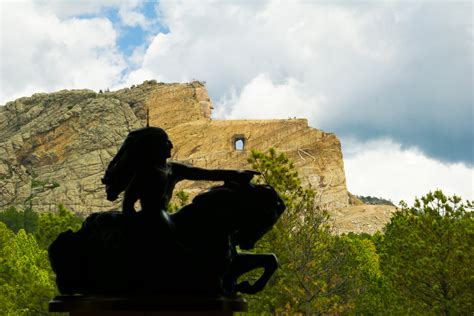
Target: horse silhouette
[116, 252]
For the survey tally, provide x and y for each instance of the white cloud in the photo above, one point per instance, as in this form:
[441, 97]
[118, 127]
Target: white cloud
[327, 47]
[130, 16]
[263, 99]
[137, 77]
[128, 10]
[137, 56]
[41, 53]
[380, 66]
[382, 168]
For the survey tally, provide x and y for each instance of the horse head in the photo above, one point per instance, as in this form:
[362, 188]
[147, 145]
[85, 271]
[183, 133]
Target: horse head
[252, 209]
[264, 208]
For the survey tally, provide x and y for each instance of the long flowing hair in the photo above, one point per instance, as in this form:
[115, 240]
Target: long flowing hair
[134, 154]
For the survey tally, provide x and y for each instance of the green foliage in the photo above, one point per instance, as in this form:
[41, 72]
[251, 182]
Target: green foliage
[26, 279]
[51, 224]
[26, 218]
[365, 289]
[183, 200]
[16, 220]
[35, 183]
[374, 200]
[427, 254]
[292, 282]
[319, 272]
[42, 184]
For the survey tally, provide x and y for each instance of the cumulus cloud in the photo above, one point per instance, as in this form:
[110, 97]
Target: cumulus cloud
[263, 99]
[367, 70]
[129, 11]
[382, 168]
[41, 52]
[131, 16]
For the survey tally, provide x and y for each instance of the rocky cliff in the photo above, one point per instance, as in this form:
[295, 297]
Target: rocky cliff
[54, 147]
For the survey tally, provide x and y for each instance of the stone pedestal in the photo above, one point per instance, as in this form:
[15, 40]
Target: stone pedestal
[141, 305]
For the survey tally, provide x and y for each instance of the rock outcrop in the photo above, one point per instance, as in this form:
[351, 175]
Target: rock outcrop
[361, 218]
[55, 147]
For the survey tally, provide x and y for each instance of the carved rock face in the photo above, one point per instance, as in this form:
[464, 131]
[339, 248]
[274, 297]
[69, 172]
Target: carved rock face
[69, 137]
[207, 108]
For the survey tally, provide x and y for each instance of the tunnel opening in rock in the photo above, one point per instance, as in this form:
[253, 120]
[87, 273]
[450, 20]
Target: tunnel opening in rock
[238, 143]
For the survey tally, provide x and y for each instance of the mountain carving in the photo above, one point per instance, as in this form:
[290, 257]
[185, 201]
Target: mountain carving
[55, 147]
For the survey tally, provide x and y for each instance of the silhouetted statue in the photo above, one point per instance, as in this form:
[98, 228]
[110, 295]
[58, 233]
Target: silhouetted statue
[151, 251]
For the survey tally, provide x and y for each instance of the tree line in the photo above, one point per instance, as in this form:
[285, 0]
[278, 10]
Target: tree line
[421, 263]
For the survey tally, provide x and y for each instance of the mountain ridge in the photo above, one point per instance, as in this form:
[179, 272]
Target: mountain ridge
[68, 137]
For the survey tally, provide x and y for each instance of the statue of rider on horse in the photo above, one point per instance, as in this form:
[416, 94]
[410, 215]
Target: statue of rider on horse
[151, 251]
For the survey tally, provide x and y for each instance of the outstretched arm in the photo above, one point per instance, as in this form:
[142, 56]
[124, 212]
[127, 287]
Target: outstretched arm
[183, 172]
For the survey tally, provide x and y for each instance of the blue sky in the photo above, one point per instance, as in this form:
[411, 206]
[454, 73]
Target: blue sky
[392, 79]
[131, 37]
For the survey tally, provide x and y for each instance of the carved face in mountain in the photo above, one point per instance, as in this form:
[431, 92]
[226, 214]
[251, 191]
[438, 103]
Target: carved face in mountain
[206, 107]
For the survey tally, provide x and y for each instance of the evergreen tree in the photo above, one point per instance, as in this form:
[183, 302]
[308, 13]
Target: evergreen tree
[51, 224]
[16, 220]
[26, 278]
[427, 254]
[319, 273]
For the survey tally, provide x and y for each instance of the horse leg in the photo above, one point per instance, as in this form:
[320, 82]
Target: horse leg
[245, 262]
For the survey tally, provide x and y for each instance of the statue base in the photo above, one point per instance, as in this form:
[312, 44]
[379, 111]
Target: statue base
[91, 305]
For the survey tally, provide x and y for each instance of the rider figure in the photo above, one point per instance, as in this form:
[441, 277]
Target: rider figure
[140, 168]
